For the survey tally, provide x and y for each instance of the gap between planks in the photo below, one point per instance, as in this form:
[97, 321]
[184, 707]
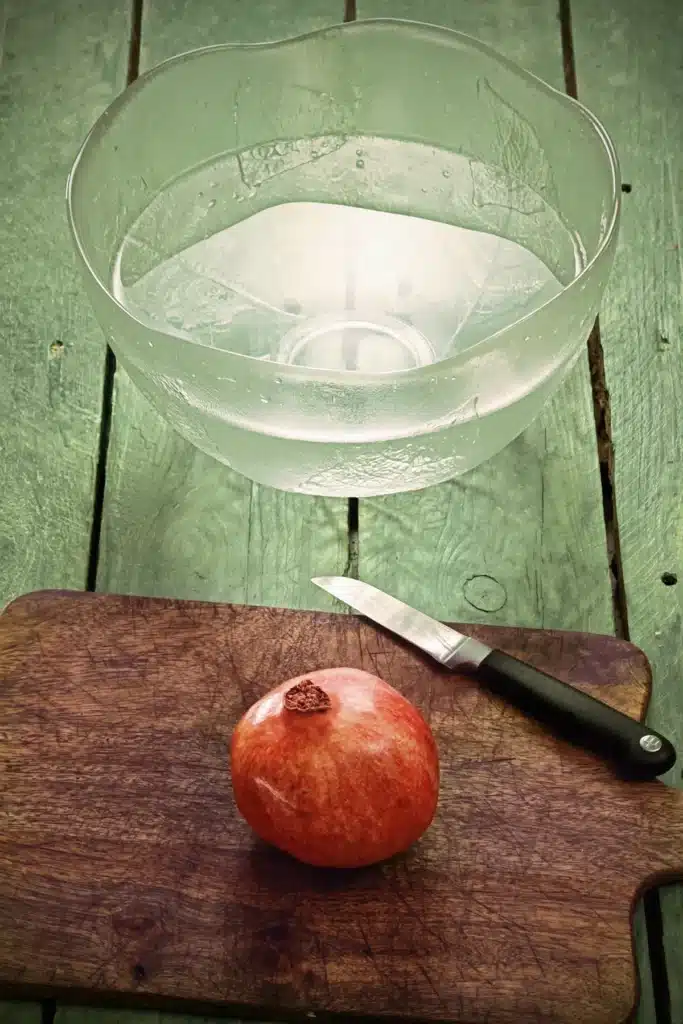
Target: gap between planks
[601, 399]
[134, 43]
[353, 559]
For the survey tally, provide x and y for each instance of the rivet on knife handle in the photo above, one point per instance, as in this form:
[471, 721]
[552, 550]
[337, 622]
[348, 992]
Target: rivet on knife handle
[638, 751]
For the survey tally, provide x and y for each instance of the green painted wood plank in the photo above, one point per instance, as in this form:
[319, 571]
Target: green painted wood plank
[91, 1015]
[521, 539]
[178, 524]
[60, 65]
[629, 71]
[175, 522]
[20, 1013]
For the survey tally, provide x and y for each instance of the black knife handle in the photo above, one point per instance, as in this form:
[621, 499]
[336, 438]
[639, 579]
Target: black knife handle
[637, 751]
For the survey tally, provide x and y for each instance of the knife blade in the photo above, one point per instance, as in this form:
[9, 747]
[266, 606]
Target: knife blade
[635, 750]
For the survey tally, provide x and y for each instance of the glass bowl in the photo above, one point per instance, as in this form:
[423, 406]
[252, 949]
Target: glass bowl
[350, 263]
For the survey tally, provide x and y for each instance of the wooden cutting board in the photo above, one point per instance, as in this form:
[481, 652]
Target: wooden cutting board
[125, 870]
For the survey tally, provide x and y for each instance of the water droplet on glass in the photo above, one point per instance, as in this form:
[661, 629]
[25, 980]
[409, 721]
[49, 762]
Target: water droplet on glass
[359, 152]
[212, 204]
[360, 164]
[278, 380]
[446, 173]
[264, 399]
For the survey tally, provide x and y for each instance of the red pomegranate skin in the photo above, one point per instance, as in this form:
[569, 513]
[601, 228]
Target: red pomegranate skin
[345, 786]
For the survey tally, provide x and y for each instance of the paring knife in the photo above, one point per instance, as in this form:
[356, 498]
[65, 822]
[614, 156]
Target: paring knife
[637, 751]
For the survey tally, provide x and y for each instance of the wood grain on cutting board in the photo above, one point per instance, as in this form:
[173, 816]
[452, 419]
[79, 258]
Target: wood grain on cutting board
[127, 871]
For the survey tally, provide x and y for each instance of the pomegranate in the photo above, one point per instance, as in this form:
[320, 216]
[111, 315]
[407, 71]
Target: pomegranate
[336, 768]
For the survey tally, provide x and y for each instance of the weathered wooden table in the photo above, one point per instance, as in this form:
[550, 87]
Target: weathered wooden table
[96, 492]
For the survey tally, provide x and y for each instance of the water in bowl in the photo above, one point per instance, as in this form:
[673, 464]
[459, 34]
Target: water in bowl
[424, 253]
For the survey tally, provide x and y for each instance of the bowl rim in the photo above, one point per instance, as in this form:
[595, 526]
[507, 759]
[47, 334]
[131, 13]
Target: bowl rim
[347, 28]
